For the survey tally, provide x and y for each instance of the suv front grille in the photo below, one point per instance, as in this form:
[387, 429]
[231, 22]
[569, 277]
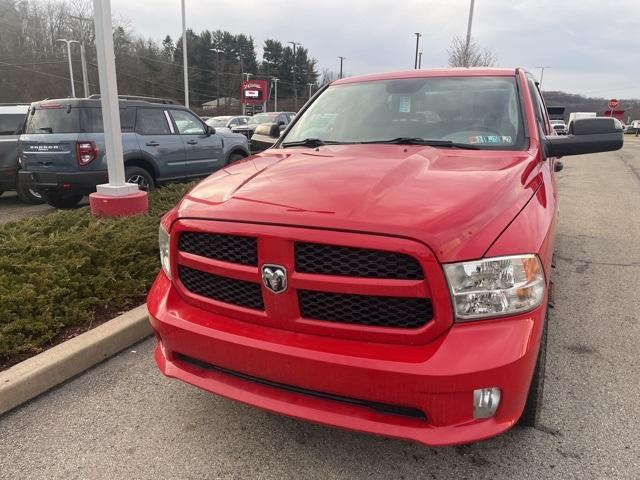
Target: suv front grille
[228, 248]
[355, 262]
[373, 311]
[223, 289]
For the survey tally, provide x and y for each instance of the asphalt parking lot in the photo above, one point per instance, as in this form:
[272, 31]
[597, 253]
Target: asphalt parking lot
[12, 209]
[122, 419]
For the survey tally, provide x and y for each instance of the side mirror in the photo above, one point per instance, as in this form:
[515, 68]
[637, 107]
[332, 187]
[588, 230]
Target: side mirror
[211, 130]
[586, 135]
[268, 129]
[274, 131]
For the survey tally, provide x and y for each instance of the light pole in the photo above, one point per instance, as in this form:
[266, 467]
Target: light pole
[295, 88]
[542, 75]
[184, 56]
[69, 42]
[419, 60]
[342, 59]
[275, 93]
[310, 85]
[218, 52]
[418, 35]
[469, 24]
[83, 55]
[117, 197]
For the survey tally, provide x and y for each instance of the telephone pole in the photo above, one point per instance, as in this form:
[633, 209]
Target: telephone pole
[418, 35]
[342, 59]
[275, 95]
[295, 88]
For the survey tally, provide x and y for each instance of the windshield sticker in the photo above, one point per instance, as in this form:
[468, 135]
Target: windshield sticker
[490, 139]
[405, 104]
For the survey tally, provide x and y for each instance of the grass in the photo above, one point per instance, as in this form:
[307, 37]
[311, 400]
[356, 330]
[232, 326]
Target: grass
[70, 269]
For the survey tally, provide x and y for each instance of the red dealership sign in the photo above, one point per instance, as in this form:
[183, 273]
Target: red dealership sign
[254, 92]
[613, 103]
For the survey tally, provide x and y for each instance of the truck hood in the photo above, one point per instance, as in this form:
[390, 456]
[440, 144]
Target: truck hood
[457, 202]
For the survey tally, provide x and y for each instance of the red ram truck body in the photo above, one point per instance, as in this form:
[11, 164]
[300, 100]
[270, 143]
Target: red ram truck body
[321, 279]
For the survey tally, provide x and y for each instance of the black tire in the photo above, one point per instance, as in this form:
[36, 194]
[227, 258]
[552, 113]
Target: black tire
[140, 176]
[235, 157]
[1, 192]
[28, 194]
[531, 413]
[57, 200]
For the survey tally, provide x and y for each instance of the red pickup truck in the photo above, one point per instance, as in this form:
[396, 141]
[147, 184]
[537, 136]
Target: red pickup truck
[386, 266]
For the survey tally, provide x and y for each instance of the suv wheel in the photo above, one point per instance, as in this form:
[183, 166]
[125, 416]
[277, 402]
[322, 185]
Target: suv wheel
[57, 200]
[27, 194]
[235, 157]
[531, 414]
[139, 176]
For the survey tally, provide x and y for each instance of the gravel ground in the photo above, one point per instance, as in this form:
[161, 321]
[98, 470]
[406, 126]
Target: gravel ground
[122, 419]
[12, 209]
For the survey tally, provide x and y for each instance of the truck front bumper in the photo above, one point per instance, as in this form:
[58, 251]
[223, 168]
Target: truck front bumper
[417, 392]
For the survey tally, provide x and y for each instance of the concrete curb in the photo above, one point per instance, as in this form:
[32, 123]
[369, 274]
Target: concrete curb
[36, 375]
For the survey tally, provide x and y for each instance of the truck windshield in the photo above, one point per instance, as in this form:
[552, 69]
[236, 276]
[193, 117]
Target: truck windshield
[479, 111]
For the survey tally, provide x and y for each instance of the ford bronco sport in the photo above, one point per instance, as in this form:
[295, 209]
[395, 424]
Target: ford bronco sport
[62, 147]
[386, 266]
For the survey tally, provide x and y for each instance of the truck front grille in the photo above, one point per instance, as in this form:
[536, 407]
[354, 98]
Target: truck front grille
[344, 290]
[228, 248]
[373, 311]
[355, 262]
[222, 289]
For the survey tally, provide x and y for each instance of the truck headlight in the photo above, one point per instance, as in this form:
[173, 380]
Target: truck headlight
[163, 243]
[495, 286]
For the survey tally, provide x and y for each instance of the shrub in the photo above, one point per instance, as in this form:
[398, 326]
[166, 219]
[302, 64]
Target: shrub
[71, 269]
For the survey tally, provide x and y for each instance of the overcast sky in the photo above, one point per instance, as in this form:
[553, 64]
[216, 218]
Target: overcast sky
[591, 46]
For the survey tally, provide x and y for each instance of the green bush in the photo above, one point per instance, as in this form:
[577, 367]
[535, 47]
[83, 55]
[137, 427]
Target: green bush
[70, 268]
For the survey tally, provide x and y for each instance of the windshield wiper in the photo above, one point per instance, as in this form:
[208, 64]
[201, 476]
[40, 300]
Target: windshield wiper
[311, 142]
[426, 142]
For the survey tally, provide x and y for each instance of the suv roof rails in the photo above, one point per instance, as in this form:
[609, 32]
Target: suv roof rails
[140, 98]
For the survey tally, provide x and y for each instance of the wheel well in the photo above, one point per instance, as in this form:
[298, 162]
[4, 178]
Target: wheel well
[147, 165]
[240, 151]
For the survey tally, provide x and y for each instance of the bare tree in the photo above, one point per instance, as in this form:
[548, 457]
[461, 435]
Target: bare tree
[327, 76]
[462, 54]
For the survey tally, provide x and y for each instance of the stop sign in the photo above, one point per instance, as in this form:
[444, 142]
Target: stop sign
[613, 103]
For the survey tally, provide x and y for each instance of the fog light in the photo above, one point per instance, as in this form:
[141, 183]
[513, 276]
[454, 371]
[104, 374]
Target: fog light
[485, 402]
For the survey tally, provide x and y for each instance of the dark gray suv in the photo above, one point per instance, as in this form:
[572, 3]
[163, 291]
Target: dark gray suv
[12, 118]
[62, 147]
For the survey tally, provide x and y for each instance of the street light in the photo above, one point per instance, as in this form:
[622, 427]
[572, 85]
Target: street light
[342, 59]
[542, 75]
[83, 55]
[469, 24]
[420, 60]
[184, 57]
[418, 35]
[69, 42]
[295, 88]
[310, 85]
[218, 52]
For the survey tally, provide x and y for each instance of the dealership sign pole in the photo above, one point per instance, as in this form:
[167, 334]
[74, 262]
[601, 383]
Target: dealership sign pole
[117, 197]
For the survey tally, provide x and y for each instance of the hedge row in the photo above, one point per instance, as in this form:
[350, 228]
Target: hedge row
[72, 269]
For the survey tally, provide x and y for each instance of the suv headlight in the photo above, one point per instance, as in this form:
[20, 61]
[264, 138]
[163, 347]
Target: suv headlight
[164, 244]
[495, 286]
